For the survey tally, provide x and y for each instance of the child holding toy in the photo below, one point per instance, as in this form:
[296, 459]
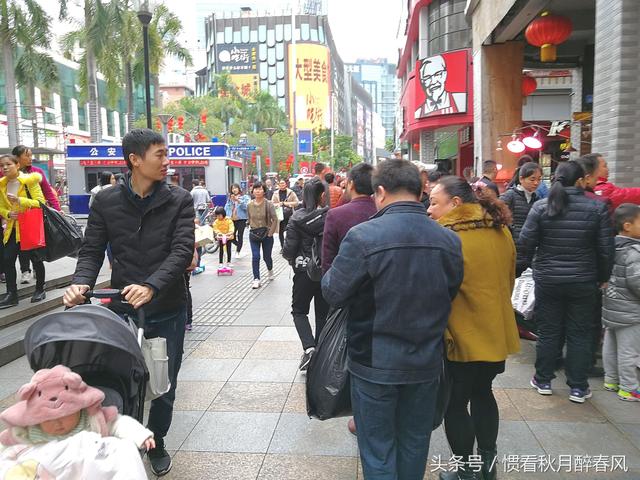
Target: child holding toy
[224, 231]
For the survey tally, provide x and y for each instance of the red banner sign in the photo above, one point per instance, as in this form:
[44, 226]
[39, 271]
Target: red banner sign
[189, 163]
[122, 163]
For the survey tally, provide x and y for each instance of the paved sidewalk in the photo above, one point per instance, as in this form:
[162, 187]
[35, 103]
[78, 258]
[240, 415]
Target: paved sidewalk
[241, 414]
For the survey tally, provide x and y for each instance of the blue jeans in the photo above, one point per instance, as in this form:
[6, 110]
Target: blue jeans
[394, 425]
[170, 327]
[267, 247]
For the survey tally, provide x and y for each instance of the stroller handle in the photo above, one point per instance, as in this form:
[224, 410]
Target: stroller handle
[114, 294]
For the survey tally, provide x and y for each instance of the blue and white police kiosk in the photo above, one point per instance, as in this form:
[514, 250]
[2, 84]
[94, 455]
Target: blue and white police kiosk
[189, 162]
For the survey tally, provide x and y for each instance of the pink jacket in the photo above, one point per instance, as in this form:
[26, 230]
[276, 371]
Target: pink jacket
[617, 195]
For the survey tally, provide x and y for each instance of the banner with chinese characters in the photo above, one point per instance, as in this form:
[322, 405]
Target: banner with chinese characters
[311, 70]
[245, 83]
[237, 58]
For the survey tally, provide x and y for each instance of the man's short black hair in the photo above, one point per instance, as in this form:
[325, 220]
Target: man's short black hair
[488, 166]
[319, 168]
[138, 141]
[360, 175]
[434, 176]
[397, 176]
[329, 178]
[627, 212]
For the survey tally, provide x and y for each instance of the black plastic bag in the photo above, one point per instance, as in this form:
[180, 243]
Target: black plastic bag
[62, 233]
[444, 395]
[328, 380]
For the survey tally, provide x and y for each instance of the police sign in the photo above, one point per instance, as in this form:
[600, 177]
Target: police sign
[108, 151]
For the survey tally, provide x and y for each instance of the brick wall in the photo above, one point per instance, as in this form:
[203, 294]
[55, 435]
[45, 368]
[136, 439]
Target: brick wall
[616, 124]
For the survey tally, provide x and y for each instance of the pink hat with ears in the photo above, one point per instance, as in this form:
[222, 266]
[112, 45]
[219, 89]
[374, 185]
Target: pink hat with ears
[52, 393]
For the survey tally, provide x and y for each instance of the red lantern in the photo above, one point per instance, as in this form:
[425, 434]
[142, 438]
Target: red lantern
[158, 124]
[267, 162]
[529, 85]
[187, 137]
[170, 124]
[253, 159]
[547, 32]
[180, 122]
[203, 118]
[416, 147]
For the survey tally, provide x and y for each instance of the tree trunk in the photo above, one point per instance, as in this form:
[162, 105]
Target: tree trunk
[129, 93]
[95, 128]
[31, 92]
[157, 98]
[10, 92]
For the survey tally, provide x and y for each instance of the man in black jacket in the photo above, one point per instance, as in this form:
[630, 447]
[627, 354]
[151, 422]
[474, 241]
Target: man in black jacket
[150, 227]
[395, 325]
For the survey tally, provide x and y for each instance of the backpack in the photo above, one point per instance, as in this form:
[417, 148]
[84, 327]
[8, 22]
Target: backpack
[314, 265]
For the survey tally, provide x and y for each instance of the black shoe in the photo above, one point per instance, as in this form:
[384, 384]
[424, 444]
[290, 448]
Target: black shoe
[489, 469]
[38, 296]
[9, 300]
[159, 459]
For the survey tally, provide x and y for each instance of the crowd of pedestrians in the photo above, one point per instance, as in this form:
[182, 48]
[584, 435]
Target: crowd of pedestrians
[349, 241]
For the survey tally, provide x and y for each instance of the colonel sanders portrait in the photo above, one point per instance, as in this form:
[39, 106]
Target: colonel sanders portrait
[433, 77]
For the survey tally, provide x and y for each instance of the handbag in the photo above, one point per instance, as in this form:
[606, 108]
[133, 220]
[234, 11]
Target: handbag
[204, 236]
[32, 232]
[62, 233]
[260, 233]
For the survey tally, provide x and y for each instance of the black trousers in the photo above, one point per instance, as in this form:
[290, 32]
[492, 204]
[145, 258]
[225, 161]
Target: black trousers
[565, 313]
[25, 261]
[282, 229]
[11, 253]
[472, 383]
[221, 248]
[187, 282]
[305, 290]
[239, 225]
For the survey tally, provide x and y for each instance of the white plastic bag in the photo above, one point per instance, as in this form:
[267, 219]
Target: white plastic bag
[154, 351]
[279, 212]
[204, 235]
[523, 296]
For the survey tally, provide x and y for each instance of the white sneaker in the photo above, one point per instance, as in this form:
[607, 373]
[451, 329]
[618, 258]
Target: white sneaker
[229, 265]
[239, 254]
[270, 274]
[26, 277]
[256, 284]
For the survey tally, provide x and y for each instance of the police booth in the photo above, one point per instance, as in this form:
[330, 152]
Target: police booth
[189, 162]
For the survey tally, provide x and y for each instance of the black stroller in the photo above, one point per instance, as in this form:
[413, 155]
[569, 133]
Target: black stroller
[99, 345]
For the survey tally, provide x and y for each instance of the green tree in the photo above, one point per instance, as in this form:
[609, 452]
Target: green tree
[25, 24]
[344, 156]
[390, 145]
[128, 43]
[264, 112]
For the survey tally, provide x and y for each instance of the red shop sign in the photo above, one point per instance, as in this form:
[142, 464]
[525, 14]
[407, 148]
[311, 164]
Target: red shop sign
[189, 163]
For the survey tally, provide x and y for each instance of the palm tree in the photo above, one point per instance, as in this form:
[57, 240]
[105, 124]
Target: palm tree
[164, 29]
[263, 111]
[226, 109]
[22, 23]
[96, 39]
[224, 86]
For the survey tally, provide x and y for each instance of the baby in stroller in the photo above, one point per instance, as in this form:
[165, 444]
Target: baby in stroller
[57, 409]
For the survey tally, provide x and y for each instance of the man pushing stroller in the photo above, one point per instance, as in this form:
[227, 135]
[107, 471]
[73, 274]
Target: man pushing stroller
[149, 226]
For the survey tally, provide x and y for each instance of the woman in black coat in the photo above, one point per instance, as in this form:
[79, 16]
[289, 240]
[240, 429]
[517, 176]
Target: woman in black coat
[305, 228]
[520, 197]
[571, 238]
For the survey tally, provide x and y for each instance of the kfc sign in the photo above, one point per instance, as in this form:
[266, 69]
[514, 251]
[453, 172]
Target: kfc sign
[442, 84]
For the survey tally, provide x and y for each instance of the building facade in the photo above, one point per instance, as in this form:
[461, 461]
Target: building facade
[360, 115]
[378, 77]
[435, 72]
[585, 100]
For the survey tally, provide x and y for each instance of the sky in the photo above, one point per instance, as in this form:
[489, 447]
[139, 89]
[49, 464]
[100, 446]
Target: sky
[361, 28]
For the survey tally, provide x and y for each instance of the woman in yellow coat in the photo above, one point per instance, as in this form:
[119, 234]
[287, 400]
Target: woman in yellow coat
[18, 192]
[482, 329]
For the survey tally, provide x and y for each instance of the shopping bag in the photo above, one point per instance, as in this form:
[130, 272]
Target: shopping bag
[279, 213]
[523, 296]
[154, 351]
[328, 380]
[31, 225]
[204, 236]
[62, 233]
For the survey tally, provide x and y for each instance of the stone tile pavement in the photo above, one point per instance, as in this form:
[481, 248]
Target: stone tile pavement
[241, 414]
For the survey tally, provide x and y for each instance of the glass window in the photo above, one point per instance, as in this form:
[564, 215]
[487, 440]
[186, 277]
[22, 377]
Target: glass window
[280, 88]
[237, 37]
[264, 85]
[287, 32]
[321, 33]
[279, 32]
[262, 52]
[262, 33]
[282, 102]
[82, 117]
[271, 37]
[253, 37]
[273, 90]
[228, 34]
[305, 31]
[245, 33]
[264, 70]
[220, 37]
[298, 35]
[272, 75]
[314, 35]
[279, 51]
[280, 69]
[271, 56]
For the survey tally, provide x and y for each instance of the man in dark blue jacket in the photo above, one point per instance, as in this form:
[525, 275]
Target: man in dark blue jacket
[396, 325]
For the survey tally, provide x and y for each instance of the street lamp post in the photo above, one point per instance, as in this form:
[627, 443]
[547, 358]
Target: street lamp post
[145, 15]
[164, 120]
[270, 132]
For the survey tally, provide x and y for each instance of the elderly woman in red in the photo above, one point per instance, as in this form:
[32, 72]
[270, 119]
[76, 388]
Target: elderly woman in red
[18, 192]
